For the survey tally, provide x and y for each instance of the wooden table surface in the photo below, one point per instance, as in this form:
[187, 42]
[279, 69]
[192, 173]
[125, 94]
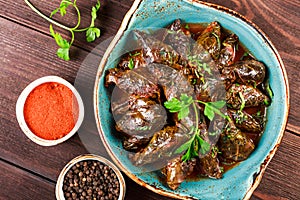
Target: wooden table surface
[29, 171]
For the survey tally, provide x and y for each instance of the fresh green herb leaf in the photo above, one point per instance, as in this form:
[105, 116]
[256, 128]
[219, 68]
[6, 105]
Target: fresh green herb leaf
[217, 104]
[135, 54]
[63, 6]
[213, 133]
[266, 102]
[184, 146]
[174, 105]
[193, 81]
[214, 107]
[184, 112]
[94, 13]
[196, 144]
[97, 6]
[187, 100]
[214, 151]
[52, 33]
[204, 146]
[255, 85]
[170, 31]
[54, 12]
[92, 33]
[258, 114]
[187, 156]
[58, 39]
[63, 53]
[131, 64]
[143, 128]
[269, 90]
[243, 101]
[209, 113]
[187, 26]
[181, 106]
[206, 68]
[241, 117]
[195, 61]
[192, 151]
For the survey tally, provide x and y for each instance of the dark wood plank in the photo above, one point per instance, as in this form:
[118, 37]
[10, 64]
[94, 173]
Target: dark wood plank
[280, 21]
[109, 18]
[25, 58]
[19, 184]
[281, 179]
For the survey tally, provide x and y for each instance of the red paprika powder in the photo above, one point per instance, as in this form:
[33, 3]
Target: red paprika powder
[51, 110]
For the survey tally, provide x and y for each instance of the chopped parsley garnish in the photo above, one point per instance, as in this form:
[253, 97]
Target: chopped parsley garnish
[181, 106]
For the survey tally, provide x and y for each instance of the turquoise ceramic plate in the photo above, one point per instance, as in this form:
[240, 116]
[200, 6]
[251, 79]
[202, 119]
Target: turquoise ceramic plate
[241, 181]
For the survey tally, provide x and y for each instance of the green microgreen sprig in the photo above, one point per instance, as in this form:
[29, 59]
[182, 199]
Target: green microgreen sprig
[243, 103]
[182, 107]
[195, 61]
[218, 39]
[91, 32]
[131, 62]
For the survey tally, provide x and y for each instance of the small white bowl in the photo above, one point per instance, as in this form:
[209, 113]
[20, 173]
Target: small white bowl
[59, 185]
[20, 110]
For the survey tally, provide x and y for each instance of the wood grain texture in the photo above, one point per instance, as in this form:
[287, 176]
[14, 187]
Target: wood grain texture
[281, 179]
[280, 20]
[25, 59]
[19, 67]
[28, 52]
[19, 184]
[109, 17]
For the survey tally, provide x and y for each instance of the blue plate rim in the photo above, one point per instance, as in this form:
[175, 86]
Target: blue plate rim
[124, 25]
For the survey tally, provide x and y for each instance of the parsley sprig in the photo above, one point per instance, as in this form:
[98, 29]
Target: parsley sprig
[91, 32]
[212, 108]
[182, 106]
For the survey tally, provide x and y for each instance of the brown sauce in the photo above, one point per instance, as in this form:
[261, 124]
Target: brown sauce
[197, 28]
[241, 54]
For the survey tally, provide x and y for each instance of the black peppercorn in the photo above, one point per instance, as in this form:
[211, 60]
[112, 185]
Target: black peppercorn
[91, 179]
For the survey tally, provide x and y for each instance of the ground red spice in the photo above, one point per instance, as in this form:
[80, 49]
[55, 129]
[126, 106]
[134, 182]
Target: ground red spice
[51, 110]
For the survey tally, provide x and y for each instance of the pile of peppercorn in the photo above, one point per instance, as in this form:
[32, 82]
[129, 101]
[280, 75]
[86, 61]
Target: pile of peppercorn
[91, 179]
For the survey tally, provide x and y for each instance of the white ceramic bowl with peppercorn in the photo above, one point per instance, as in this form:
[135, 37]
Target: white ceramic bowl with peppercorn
[90, 177]
[51, 86]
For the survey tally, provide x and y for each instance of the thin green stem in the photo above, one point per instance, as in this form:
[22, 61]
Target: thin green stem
[81, 30]
[218, 39]
[45, 17]
[197, 118]
[72, 39]
[78, 16]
